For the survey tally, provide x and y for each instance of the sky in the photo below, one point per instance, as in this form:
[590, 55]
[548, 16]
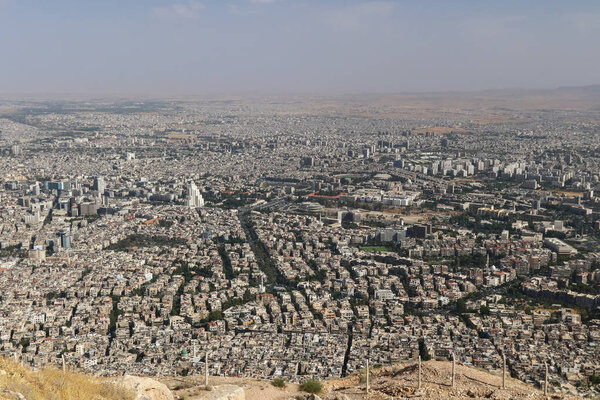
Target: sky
[197, 47]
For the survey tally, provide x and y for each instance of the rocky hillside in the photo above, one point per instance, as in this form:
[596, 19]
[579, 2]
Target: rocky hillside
[395, 382]
[401, 382]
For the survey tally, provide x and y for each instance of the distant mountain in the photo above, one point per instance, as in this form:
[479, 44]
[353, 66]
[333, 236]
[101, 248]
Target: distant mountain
[592, 90]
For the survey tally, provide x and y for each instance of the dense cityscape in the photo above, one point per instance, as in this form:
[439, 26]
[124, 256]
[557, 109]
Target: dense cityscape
[298, 237]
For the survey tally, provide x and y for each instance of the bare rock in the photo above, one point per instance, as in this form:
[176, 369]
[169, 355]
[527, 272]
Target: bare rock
[11, 395]
[225, 392]
[308, 397]
[336, 396]
[145, 388]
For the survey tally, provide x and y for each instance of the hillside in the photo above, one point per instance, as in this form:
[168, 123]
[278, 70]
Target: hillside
[22, 383]
[398, 382]
[18, 382]
[401, 382]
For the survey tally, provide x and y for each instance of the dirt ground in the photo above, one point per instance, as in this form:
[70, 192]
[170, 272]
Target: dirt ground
[394, 382]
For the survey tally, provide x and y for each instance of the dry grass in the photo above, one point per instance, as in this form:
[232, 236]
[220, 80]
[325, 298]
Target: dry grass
[53, 384]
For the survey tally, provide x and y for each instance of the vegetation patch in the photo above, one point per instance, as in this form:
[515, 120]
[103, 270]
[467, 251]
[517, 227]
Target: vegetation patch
[278, 382]
[137, 240]
[376, 249]
[312, 386]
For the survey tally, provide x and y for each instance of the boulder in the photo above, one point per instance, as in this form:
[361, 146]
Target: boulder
[308, 397]
[145, 388]
[336, 396]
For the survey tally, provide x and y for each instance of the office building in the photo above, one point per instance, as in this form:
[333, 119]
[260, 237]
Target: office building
[194, 198]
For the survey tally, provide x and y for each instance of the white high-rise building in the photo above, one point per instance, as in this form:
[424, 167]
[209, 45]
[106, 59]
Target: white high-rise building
[194, 198]
[99, 185]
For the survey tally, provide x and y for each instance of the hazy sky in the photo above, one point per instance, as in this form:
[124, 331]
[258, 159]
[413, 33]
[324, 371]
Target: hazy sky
[308, 46]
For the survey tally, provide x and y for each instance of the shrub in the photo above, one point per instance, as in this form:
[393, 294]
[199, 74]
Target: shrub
[278, 382]
[423, 352]
[362, 377]
[312, 386]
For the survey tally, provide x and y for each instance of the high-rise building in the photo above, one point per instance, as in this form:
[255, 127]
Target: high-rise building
[65, 239]
[99, 185]
[53, 185]
[88, 208]
[194, 198]
[308, 161]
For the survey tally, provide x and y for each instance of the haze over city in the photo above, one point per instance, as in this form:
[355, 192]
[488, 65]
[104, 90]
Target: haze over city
[200, 47]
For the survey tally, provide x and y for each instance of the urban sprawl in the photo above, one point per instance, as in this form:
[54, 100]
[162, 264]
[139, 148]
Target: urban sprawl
[279, 240]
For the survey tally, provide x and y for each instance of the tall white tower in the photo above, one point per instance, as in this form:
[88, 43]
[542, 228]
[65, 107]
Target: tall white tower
[99, 185]
[194, 198]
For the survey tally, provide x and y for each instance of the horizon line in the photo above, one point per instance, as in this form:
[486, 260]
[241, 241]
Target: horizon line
[11, 96]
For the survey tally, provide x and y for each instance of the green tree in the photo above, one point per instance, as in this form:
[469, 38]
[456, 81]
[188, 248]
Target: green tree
[461, 306]
[312, 386]
[278, 382]
[423, 352]
[215, 315]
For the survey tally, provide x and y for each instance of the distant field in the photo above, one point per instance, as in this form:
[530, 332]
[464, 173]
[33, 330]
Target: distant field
[465, 180]
[439, 130]
[377, 249]
[563, 192]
